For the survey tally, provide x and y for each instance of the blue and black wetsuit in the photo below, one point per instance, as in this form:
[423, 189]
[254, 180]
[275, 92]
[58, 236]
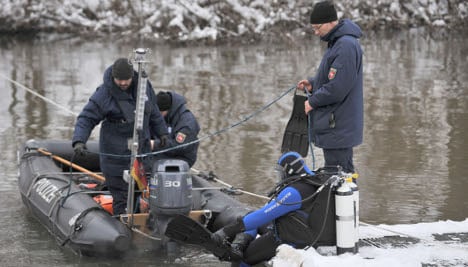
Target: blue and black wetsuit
[286, 217]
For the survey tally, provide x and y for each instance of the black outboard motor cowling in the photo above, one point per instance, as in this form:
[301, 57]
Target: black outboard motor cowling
[170, 187]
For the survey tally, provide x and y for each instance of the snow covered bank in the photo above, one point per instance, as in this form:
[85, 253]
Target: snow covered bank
[214, 20]
[431, 248]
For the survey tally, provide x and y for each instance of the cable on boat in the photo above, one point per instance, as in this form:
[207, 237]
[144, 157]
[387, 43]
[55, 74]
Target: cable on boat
[329, 181]
[138, 231]
[212, 177]
[77, 226]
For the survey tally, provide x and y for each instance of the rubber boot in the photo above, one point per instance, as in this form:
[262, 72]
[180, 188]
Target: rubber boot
[240, 243]
[225, 234]
[220, 237]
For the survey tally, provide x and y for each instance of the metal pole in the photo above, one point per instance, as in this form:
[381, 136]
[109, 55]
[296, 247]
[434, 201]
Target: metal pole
[140, 59]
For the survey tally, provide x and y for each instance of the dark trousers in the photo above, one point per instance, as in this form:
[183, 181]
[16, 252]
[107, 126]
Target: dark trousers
[119, 190]
[261, 249]
[341, 156]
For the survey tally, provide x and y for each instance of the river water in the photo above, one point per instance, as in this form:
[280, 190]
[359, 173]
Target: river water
[412, 165]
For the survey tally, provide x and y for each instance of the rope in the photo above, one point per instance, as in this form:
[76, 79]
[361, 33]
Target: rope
[324, 221]
[216, 133]
[77, 225]
[309, 124]
[223, 130]
[330, 180]
[138, 231]
[38, 95]
[229, 188]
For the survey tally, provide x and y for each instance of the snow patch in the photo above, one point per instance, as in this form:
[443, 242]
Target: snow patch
[427, 251]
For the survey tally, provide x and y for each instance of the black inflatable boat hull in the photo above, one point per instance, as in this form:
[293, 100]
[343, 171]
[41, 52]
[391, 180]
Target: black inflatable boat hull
[75, 219]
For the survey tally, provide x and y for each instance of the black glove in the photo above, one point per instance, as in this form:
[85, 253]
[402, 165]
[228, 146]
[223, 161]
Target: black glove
[80, 149]
[164, 140]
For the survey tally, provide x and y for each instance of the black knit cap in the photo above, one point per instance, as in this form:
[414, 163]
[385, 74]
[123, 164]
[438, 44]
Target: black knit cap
[323, 12]
[122, 69]
[164, 101]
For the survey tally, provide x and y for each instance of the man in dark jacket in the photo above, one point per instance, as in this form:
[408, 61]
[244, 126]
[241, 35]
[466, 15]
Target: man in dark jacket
[182, 126]
[336, 100]
[114, 104]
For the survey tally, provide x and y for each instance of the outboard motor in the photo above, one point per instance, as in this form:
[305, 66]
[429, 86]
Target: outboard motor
[170, 194]
[170, 188]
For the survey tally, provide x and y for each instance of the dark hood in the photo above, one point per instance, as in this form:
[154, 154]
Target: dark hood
[344, 27]
[177, 106]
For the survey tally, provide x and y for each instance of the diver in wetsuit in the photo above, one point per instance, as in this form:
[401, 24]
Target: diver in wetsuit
[283, 220]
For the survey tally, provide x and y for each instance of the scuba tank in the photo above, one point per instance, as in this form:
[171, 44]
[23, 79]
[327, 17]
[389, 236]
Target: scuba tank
[347, 222]
[355, 189]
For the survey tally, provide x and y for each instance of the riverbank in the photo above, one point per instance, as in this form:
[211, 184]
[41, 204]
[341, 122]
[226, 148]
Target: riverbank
[216, 21]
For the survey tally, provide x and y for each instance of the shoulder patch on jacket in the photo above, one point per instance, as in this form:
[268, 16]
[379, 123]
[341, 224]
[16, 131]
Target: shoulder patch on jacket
[331, 73]
[180, 137]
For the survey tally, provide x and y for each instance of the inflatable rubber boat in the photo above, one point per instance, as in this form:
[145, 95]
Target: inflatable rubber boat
[67, 195]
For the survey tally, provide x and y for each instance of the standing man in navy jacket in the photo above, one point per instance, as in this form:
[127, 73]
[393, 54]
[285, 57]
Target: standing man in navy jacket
[114, 103]
[182, 126]
[336, 100]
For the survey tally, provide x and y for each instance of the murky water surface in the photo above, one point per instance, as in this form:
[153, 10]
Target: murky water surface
[412, 164]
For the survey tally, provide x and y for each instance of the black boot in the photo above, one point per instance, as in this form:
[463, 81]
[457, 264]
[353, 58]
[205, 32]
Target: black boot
[240, 243]
[224, 250]
[220, 237]
[225, 234]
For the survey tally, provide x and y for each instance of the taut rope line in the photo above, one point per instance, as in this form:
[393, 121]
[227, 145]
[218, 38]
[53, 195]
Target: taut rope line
[208, 136]
[31, 91]
[223, 130]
